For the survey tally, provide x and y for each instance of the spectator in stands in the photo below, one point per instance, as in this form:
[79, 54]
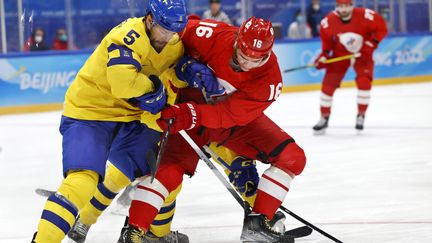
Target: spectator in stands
[215, 12]
[299, 29]
[314, 15]
[385, 13]
[60, 41]
[36, 42]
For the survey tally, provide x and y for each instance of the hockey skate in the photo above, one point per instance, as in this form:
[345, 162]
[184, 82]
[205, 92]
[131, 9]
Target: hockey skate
[257, 228]
[360, 122]
[277, 223]
[172, 237]
[131, 234]
[321, 127]
[79, 231]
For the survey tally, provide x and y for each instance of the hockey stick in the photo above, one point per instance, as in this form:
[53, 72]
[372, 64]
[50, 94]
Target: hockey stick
[214, 155]
[151, 160]
[214, 169]
[331, 60]
[309, 224]
[296, 232]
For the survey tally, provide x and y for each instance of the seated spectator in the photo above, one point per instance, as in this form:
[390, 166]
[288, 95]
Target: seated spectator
[36, 42]
[215, 12]
[60, 41]
[314, 16]
[299, 29]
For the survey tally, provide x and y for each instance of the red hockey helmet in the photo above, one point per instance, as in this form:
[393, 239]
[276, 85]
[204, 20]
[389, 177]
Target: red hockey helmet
[256, 37]
[344, 2]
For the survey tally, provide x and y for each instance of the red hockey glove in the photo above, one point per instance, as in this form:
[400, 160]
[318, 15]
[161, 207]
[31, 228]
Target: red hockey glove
[186, 116]
[321, 59]
[368, 48]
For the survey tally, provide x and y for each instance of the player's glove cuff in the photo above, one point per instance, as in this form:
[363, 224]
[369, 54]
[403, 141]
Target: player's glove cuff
[186, 116]
[154, 101]
[196, 74]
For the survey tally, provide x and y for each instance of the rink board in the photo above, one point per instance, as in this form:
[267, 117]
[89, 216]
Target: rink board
[38, 81]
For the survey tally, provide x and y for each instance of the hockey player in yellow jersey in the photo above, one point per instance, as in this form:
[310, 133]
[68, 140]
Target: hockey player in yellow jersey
[104, 106]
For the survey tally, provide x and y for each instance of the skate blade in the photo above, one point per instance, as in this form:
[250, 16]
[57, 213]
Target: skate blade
[319, 132]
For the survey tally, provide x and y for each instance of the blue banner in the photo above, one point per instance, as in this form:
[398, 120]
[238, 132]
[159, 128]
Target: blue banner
[37, 79]
[42, 78]
[395, 57]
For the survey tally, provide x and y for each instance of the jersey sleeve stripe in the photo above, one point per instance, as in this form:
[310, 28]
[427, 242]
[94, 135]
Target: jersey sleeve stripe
[124, 56]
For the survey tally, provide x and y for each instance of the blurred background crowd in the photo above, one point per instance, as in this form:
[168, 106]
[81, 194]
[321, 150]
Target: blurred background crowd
[30, 25]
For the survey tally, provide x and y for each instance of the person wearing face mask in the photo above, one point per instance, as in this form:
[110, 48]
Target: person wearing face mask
[60, 41]
[36, 42]
[246, 67]
[299, 29]
[348, 30]
[314, 14]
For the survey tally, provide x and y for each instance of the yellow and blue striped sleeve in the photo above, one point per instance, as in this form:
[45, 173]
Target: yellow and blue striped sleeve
[123, 73]
[127, 46]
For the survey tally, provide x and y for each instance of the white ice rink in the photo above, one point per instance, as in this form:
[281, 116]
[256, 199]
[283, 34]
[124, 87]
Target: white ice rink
[373, 187]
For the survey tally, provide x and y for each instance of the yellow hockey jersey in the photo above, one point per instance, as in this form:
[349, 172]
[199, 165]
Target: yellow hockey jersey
[118, 70]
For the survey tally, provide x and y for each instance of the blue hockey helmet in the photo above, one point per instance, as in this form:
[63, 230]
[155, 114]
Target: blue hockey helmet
[170, 14]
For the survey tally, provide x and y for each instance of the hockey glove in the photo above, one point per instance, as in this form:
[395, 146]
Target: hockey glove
[244, 175]
[154, 101]
[196, 74]
[186, 116]
[319, 62]
[368, 48]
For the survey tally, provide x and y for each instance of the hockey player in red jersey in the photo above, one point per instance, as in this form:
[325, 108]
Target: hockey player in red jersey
[244, 64]
[345, 31]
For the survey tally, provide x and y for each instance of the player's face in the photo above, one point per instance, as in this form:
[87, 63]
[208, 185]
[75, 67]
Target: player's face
[159, 37]
[344, 10]
[247, 63]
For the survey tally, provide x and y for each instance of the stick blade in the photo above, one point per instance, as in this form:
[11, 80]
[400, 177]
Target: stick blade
[299, 232]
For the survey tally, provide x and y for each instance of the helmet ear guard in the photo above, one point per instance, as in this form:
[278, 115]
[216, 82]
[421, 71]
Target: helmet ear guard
[256, 37]
[170, 14]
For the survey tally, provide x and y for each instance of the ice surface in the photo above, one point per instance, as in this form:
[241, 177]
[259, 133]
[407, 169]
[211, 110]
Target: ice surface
[372, 187]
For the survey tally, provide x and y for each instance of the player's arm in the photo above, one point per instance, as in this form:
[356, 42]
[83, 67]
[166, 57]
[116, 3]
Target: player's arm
[326, 44]
[325, 35]
[126, 46]
[123, 73]
[238, 109]
[379, 27]
[126, 49]
[378, 30]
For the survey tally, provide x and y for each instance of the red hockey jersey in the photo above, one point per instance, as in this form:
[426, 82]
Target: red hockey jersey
[344, 38]
[250, 93]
